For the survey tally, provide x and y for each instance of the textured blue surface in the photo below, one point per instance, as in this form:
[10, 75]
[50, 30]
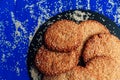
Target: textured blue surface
[19, 20]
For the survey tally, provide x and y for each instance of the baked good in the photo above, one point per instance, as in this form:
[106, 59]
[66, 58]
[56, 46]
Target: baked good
[104, 68]
[98, 68]
[102, 44]
[77, 73]
[89, 28]
[63, 36]
[66, 41]
[53, 63]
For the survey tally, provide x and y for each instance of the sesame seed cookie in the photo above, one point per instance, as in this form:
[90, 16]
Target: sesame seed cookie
[104, 68]
[53, 63]
[102, 44]
[77, 73]
[98, 68]
[89, 28]
[63, 36]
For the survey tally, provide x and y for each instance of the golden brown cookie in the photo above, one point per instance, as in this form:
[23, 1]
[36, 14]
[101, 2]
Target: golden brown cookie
[104, 68]
[77, 73]
[52, 63]
[89, 28]
[98, 68]
[102, 44]
[63, 36]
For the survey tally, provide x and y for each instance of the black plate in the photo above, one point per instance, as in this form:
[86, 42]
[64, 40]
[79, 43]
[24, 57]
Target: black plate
[75, 15]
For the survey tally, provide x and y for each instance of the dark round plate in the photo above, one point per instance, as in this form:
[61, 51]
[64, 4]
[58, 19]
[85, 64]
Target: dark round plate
[74, 15]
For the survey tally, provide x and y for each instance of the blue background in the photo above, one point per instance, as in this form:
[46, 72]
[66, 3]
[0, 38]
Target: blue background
[19, 20]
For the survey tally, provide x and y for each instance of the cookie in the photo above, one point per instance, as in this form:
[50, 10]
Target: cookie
[53, 63]
[89, 28]
[102, 44]
[104, 68]
[77, 73]
[63, 36]
[98, 68]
